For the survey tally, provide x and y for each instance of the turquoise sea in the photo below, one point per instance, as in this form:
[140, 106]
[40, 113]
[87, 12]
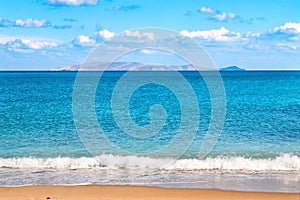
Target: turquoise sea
[258, 148]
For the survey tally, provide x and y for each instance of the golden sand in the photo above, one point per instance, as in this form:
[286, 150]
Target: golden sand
[130, 192]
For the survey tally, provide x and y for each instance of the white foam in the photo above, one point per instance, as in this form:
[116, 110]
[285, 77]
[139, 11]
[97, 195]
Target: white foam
[285, 162]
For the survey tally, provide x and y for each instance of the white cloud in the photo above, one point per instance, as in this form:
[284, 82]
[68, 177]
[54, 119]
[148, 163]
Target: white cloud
[104, 34]
[4, 39]
[24, 23]
[154, 52]
[280, 38]
[38, 44]
[218, 15]
[231, 15]
[27, 45]
[288, 46]
[6, 23]
[290, 30]
[139, 35]
[97, 37]
[126, 7]
[223, 16]
[148, 51]
[72, 2]
[32, 23]
[288, 27]
[206, 10]
[251, 34]
[218, 35]
[83, 40]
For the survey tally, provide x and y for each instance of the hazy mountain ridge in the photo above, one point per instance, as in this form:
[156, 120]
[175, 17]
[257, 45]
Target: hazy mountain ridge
[135, 66]
[124, 66]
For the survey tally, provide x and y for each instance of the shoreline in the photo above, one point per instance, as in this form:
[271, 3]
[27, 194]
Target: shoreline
[91, 192]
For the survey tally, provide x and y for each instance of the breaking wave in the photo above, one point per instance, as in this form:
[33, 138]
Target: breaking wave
[284, 162]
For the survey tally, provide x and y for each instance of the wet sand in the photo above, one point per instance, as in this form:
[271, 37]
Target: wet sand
[131, 192]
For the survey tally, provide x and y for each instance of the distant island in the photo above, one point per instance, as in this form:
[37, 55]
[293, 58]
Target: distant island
[232, 68]
[125, 66]
[136, 66]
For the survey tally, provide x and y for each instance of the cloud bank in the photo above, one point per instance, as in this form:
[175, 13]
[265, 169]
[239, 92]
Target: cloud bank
[126, 7]
[28, 23]
[83, 40]
[217, 15]
[219, 35]
[72, 2]
[27, 45]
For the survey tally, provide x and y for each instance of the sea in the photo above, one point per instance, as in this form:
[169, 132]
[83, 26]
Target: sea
[44, 141]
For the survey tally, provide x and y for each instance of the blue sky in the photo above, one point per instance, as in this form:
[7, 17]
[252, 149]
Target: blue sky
[45, 34]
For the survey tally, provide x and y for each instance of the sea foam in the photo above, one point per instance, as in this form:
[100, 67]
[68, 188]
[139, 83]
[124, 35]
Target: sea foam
[284, 162]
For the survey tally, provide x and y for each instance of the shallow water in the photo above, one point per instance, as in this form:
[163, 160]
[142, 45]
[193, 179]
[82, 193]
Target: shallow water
[258, 149]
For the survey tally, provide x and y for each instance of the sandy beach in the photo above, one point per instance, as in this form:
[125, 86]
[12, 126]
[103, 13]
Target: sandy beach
[130, 192]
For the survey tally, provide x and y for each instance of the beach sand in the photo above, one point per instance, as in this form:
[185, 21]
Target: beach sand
[130, 192]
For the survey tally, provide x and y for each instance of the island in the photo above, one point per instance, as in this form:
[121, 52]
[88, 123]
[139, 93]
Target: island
[232, 68]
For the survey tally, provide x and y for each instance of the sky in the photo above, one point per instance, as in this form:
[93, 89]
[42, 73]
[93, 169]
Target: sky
[46, 34]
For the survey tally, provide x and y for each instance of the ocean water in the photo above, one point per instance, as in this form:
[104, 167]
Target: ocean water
[258, 148]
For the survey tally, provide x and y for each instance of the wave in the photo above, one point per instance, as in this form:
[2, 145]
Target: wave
[284, 162]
